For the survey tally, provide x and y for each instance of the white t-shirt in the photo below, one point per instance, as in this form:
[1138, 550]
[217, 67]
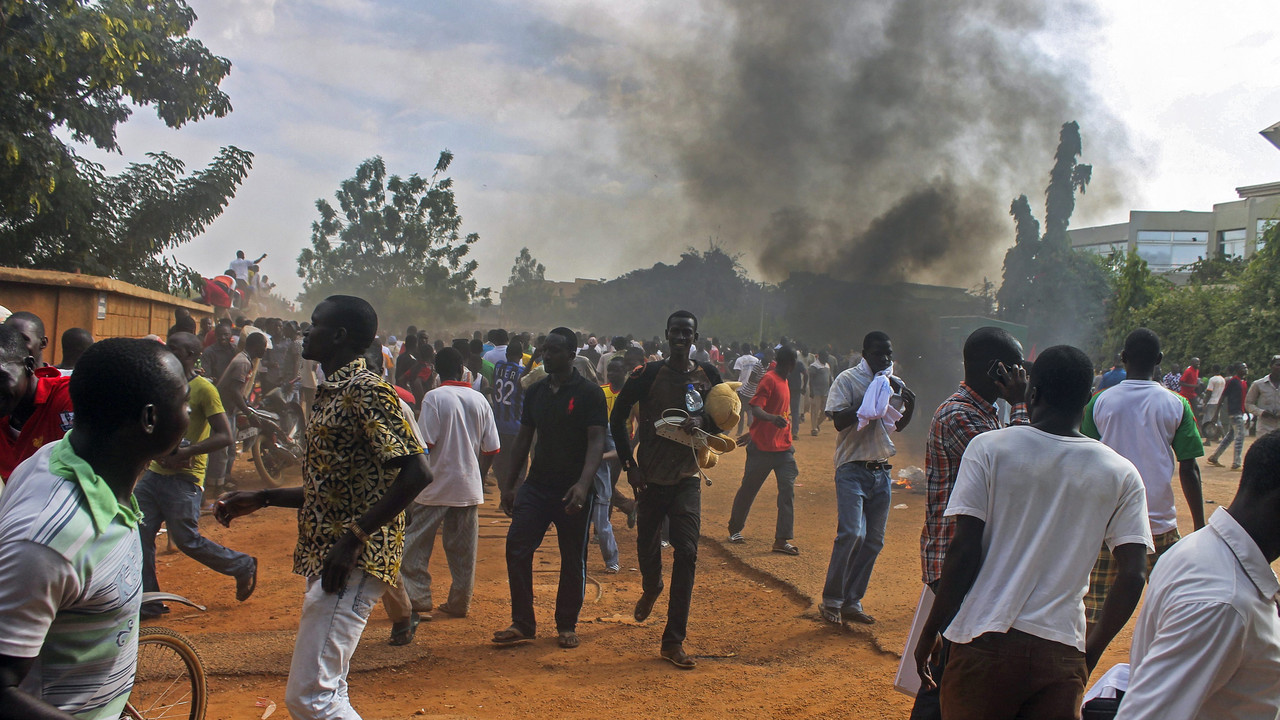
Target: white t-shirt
[457, 426]
[1151, 427]
[240, 266]
[497, 355]
[1216, 385]
[1048, 503]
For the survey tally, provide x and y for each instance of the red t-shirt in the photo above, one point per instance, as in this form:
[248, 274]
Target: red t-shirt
[774, 397]
[1189, 386]
[405, 395]
[50, 421]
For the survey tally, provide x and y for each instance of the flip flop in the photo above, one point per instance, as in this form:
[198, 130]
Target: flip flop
[511, 636]
[786, 549]
[403, 634]
[568, 639]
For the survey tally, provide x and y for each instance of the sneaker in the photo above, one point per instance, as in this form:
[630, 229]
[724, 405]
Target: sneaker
[612, 569]
[665, 544]
[736, 538]
[814, 432]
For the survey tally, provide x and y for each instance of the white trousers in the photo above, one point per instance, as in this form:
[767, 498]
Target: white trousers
[328, 632]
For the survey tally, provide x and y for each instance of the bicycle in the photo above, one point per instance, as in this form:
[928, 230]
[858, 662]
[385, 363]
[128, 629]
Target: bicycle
[170, 680]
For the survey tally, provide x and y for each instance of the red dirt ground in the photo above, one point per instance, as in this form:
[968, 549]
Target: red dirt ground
[762, 650]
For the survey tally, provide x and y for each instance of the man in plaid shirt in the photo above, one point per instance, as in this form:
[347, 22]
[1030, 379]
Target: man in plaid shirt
[992, 369]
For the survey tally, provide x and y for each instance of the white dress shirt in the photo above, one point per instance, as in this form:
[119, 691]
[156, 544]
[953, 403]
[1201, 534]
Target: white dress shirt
[1207, 643]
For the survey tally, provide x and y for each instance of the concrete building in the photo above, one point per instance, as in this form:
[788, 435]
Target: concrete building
[1169, 241]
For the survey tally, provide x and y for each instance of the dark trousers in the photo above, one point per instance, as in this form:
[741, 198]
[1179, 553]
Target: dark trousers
[175, 501]
[797, 411]
[1011, 675]
[220, 462]
[681, 504]
[759, 464]
[928, 705]
[536, 509]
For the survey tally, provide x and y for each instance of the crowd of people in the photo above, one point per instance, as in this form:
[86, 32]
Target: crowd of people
[1049, 498]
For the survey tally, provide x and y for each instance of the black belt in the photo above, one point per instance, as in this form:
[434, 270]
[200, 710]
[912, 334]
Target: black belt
[872, 464]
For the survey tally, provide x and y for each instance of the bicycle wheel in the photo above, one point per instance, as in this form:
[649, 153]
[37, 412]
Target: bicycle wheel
[170, 682]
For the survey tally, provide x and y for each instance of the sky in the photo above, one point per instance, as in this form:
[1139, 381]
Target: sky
[610, 136]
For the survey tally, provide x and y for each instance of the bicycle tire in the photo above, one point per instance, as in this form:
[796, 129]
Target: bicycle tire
[170, 681]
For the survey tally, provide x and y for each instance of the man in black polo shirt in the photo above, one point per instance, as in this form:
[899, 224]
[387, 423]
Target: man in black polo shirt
[569, 415]
[665, 475]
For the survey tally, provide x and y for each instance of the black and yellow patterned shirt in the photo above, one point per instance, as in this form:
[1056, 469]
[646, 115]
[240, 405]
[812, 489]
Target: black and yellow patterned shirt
[356, 429]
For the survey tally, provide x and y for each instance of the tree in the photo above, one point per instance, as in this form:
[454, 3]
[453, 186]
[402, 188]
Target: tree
[1134, 288]
[1059, 293]
[711, 284]
[1015, 294]
[74, 68]
[527, 298]
[395, 242]
[1066, 177]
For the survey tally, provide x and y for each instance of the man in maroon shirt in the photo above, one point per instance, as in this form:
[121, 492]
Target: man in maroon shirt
[770, 450]
[35, 404]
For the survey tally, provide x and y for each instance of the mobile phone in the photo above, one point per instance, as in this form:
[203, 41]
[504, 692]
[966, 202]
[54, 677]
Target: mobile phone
[998, 373]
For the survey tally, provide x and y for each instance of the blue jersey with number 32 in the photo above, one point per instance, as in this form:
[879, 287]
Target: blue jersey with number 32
[508, 396]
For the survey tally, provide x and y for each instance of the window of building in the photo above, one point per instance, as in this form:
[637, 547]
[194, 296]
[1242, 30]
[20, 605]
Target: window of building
[1231, 243]
[1263, 227]
[1106, 249]
[1169, 250]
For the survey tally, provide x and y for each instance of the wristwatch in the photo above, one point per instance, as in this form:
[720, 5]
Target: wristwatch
[358, 531]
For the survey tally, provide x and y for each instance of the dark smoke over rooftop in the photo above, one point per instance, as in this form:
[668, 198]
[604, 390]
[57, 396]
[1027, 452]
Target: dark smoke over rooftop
[876, 139]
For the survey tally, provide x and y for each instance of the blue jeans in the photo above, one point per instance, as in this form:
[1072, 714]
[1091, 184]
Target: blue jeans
[600, 507]
[863, 498]
[175, 501]
[1235, 435]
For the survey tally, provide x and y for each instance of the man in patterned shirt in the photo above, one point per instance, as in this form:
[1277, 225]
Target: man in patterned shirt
[362, 468]
[992, 369]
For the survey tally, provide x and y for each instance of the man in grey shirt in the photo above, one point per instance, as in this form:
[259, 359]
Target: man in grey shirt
[819, 386]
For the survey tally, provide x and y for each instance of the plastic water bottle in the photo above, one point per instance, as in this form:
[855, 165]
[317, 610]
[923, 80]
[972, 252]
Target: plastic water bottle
[692, 400]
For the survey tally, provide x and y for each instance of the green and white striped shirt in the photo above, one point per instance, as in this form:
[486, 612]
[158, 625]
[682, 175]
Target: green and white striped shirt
[70, 583]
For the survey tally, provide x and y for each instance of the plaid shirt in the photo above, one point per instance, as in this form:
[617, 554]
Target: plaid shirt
[959, 419]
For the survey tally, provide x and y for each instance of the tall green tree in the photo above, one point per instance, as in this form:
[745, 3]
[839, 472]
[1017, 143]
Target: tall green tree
[75, 69]
[1015, 295]
[528, 299]
[396, 242]
[1134, 287]
[1059, 293]
[1066, 178]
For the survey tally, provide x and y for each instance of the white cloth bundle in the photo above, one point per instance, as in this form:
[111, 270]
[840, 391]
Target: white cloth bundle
[875, 404]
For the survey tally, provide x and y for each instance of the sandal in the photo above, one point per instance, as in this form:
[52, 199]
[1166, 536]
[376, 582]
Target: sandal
[247, 582]
[736, 538]
[511, 636]
[830, 614]
[786, 548]
[568, 639]
[402, 632]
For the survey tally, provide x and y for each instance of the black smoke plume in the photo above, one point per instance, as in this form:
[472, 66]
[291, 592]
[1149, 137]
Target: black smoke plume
[866, 139]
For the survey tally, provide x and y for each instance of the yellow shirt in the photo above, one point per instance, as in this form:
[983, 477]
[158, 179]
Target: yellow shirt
[205, 402]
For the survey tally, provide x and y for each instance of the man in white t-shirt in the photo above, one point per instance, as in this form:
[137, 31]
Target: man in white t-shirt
[458, 427]
[1151, 427]
[1032, 503]
[750, 370]
[1213, 395]
[240, 266]
[1207, 643]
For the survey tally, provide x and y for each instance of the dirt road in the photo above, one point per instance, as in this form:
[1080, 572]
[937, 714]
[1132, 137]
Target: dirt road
[761, 648]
